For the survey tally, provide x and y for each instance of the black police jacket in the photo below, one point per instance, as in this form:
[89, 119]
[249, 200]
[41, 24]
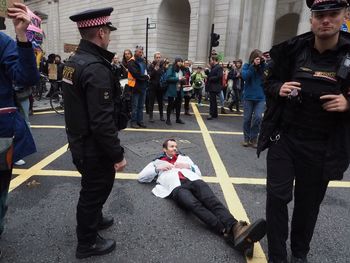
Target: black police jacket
[215, 79]
[280, 70]
[92, 103]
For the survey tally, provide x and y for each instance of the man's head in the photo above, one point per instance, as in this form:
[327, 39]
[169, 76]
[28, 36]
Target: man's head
[187, 63]
[138, 51]
[94, 25]
[327, 17]
[157, 57]
[326, 5]
[170, 147]
[199, 69]
[57, 59]
[214, 60]
[238, 63]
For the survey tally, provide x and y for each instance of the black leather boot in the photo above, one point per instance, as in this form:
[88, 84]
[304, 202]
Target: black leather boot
[100, 247]
[105, 222]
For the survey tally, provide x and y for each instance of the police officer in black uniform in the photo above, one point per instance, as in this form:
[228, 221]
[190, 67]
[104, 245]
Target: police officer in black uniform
[306, 126]
[92, 109]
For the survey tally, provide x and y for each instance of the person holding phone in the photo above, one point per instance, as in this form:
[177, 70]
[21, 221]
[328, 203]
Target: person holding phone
[17, 64]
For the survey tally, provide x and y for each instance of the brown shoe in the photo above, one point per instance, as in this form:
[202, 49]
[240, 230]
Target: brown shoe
[245, 234]
[245, 143]
[254, 143]
[223, 110]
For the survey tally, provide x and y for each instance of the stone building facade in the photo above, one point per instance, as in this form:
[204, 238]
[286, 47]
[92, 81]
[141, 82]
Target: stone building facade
[182, 27]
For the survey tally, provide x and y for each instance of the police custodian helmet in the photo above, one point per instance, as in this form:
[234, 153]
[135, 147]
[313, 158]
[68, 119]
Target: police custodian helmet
[94, 18]
[325, 5]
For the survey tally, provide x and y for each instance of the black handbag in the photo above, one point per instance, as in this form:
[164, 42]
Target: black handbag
[6, 153]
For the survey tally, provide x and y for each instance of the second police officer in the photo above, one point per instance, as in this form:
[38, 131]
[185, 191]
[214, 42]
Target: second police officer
[92, 114]
[306, 126]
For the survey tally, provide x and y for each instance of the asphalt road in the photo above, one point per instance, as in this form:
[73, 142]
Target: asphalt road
[40, 224]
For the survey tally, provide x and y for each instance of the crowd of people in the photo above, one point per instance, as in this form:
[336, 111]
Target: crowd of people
[177, 84]
[303, 91]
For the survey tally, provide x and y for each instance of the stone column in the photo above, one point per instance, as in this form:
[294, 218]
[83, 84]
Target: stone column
[304, 20]
[232, 35]
[268, 25]
[246, 24]
[203, 33]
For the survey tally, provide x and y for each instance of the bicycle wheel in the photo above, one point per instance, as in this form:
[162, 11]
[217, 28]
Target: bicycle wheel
[56, 102]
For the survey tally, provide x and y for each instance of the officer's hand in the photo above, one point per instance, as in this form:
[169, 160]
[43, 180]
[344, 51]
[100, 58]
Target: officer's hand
[164, 167]
[21, 20]
[287, 88]
[120, 166]
[182, 165]
[335, 103]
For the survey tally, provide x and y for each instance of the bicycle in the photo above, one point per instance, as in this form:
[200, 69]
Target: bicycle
[40, 88]
[56, 99]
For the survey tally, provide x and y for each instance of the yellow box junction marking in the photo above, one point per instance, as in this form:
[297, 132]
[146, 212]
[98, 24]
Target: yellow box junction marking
[233, 202]
[21, 178]
[208, 179]
[145, 130]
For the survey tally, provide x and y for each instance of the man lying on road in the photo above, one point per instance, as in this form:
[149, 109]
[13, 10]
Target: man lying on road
[180, 179]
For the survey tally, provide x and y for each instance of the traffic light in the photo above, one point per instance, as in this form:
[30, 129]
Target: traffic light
[215, 39]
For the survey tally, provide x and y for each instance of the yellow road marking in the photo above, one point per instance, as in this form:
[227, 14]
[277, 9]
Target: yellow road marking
[66, 173]
[208, 179]
[205, 114]
[144, 130]
[233, 202]
[22, 177]
[47, 126]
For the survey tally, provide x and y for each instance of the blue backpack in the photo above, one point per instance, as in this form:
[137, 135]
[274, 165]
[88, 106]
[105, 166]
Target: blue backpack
[163, 81]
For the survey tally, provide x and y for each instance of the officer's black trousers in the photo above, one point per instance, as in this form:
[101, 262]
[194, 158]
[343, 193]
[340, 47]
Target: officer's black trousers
[96, 182]
[287, 160]
[198, 198]
[154, 94]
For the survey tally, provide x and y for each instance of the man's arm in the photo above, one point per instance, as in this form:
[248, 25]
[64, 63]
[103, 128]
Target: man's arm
[187, 163]
[148, 173]
[218, 76]
[98, 87]
[135, 71]
[19, 61]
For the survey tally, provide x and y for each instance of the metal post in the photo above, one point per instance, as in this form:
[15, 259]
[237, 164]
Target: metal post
[211, 47]
[147, 26]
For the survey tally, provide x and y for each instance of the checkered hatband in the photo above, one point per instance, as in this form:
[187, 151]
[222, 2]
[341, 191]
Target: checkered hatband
[93, 22]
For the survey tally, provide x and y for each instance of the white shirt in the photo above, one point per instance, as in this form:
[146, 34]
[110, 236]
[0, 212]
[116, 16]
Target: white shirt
[167, 181]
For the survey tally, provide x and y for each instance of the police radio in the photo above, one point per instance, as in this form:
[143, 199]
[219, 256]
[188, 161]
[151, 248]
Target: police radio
[344, 68]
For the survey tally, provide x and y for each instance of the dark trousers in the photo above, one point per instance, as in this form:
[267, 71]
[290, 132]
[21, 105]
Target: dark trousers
[198, 198]
[213, 110]
[153, 95]
[96, 184]
[235, 99]
[198, 95]
[187, 103]
[174, 103]
[5, 179]
[293, 159]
